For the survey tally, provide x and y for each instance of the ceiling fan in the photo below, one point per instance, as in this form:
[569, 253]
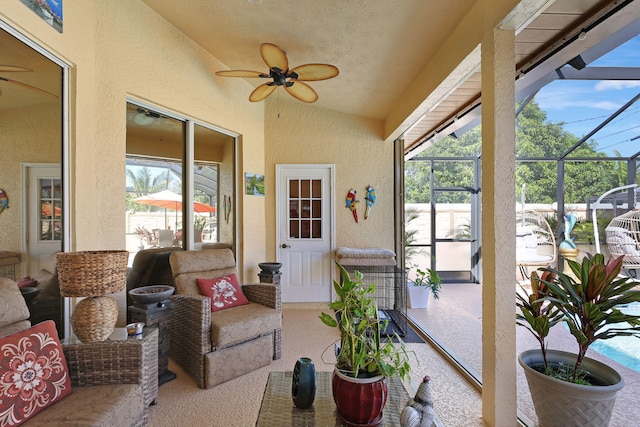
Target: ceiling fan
[145, 117]
[14, 69]
[291, 80]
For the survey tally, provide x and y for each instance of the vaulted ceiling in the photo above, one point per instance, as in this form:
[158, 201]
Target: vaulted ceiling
[381, 47]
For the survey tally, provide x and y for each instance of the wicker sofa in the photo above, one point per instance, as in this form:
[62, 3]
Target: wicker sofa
[112, 383]
[214, 347]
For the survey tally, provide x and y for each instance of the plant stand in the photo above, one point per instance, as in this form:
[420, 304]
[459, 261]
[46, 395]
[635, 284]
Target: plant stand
[560, 403]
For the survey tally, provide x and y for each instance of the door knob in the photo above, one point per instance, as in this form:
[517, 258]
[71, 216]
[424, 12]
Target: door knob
[284, 246]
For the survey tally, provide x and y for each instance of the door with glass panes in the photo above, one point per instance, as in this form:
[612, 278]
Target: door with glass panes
[304, 212]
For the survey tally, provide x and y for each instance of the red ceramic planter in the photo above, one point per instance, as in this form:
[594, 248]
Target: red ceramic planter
[359, 401]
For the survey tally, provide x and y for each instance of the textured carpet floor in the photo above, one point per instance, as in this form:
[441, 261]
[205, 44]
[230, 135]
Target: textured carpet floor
[237, 402]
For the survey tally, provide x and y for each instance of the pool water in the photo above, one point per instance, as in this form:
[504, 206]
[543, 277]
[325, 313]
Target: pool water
[624, 350]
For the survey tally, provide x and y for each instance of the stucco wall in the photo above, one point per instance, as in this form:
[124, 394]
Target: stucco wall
[28, 136]
[307, 134]
[123, 49]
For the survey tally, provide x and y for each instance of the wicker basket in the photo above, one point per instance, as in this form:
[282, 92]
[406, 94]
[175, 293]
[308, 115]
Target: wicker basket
[92, 273]
[94, 318]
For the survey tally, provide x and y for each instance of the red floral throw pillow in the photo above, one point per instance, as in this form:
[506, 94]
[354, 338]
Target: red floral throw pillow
[224, 292]
[33, 373]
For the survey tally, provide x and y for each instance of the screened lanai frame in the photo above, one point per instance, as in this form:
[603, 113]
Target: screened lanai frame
[562, 162]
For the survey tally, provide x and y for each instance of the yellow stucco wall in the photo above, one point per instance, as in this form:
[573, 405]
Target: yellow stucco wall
[123, 49]
[28, 136]
[304, 134]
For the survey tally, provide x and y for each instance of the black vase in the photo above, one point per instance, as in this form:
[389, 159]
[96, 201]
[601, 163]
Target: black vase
[303, 384]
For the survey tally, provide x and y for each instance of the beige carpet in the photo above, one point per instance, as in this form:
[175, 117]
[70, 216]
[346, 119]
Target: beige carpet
[237, 402]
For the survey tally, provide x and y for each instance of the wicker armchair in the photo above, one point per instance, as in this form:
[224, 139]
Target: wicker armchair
[214, 347]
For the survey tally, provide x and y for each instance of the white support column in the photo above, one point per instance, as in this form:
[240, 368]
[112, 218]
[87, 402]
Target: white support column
[499, 398]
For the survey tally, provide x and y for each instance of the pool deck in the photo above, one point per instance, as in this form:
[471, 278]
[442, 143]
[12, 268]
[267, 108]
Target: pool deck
[455, 320]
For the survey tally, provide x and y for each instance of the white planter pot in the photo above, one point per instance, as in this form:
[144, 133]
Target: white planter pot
[560, 403]
[418, 296]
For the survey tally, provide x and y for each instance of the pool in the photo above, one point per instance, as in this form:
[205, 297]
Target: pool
[624, 350]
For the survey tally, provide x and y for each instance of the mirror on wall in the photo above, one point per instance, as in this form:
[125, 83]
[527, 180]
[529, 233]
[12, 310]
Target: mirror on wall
[31, 137]
[156, 182]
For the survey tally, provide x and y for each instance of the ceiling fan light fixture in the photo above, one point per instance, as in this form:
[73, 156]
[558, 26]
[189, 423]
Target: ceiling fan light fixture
[282, 75]
[143, 118]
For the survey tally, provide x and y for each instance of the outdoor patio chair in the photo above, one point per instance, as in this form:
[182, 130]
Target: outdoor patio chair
[535, 242]
[216, 346]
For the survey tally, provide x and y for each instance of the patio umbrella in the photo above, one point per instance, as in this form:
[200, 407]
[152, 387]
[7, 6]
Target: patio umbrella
[169, 200]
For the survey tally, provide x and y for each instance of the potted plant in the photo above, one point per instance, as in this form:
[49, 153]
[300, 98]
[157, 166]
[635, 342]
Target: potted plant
[199, 222]
[566, 386]
[363, 360]
[426, 283]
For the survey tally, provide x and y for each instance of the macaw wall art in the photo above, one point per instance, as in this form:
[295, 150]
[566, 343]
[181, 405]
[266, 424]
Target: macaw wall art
[351, 203]
[4, 200]
[370, 199]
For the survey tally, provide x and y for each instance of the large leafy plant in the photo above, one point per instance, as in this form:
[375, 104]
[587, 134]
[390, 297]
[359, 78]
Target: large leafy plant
[430, 279]
[362, 352]
[588, 301]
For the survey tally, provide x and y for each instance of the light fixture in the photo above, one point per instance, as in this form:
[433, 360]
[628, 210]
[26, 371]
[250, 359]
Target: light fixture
[145, 117]
[582, 35]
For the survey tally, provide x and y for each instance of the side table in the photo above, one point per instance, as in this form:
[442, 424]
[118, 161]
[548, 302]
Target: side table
[157, 315]
[127, 360]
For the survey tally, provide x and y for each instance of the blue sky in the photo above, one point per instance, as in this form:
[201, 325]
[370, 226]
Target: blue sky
[583, 105]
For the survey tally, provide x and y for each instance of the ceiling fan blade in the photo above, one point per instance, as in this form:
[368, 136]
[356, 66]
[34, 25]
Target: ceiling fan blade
[240, 73]
[27, 86]
[12, 68]
[302, 91]
[261, 92]
[273, 56]
[314, 72]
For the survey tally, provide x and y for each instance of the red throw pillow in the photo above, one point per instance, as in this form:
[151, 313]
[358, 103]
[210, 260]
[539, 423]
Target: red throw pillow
[33, 373]
[224, 292]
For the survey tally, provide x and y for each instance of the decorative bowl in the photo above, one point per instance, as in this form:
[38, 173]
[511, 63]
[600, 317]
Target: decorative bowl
[270, 267]
[29, 293]
[151, 294]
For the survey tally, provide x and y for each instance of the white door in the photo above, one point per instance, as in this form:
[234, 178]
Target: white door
[43, 213]
[305, 231]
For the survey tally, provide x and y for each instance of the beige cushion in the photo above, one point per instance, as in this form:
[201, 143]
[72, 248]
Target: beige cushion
[13, 309]
[106, 405]
[187, 266]
[50, 264]
[238, 324]
[364, 253]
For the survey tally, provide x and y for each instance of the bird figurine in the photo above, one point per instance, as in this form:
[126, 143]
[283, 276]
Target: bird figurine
[4, 200]
[370, 199]
[419, 411]
[352, 202]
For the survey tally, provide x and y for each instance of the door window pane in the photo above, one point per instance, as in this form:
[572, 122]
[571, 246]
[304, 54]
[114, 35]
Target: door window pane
[50, 209]
[305, 202]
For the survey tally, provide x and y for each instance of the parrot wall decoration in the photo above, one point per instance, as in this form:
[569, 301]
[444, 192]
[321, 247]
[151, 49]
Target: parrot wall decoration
[370, 199]
[351, 203]
[4, 200]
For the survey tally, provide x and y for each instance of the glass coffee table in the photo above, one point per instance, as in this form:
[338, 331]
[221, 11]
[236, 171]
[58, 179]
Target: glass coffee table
[277, 407]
